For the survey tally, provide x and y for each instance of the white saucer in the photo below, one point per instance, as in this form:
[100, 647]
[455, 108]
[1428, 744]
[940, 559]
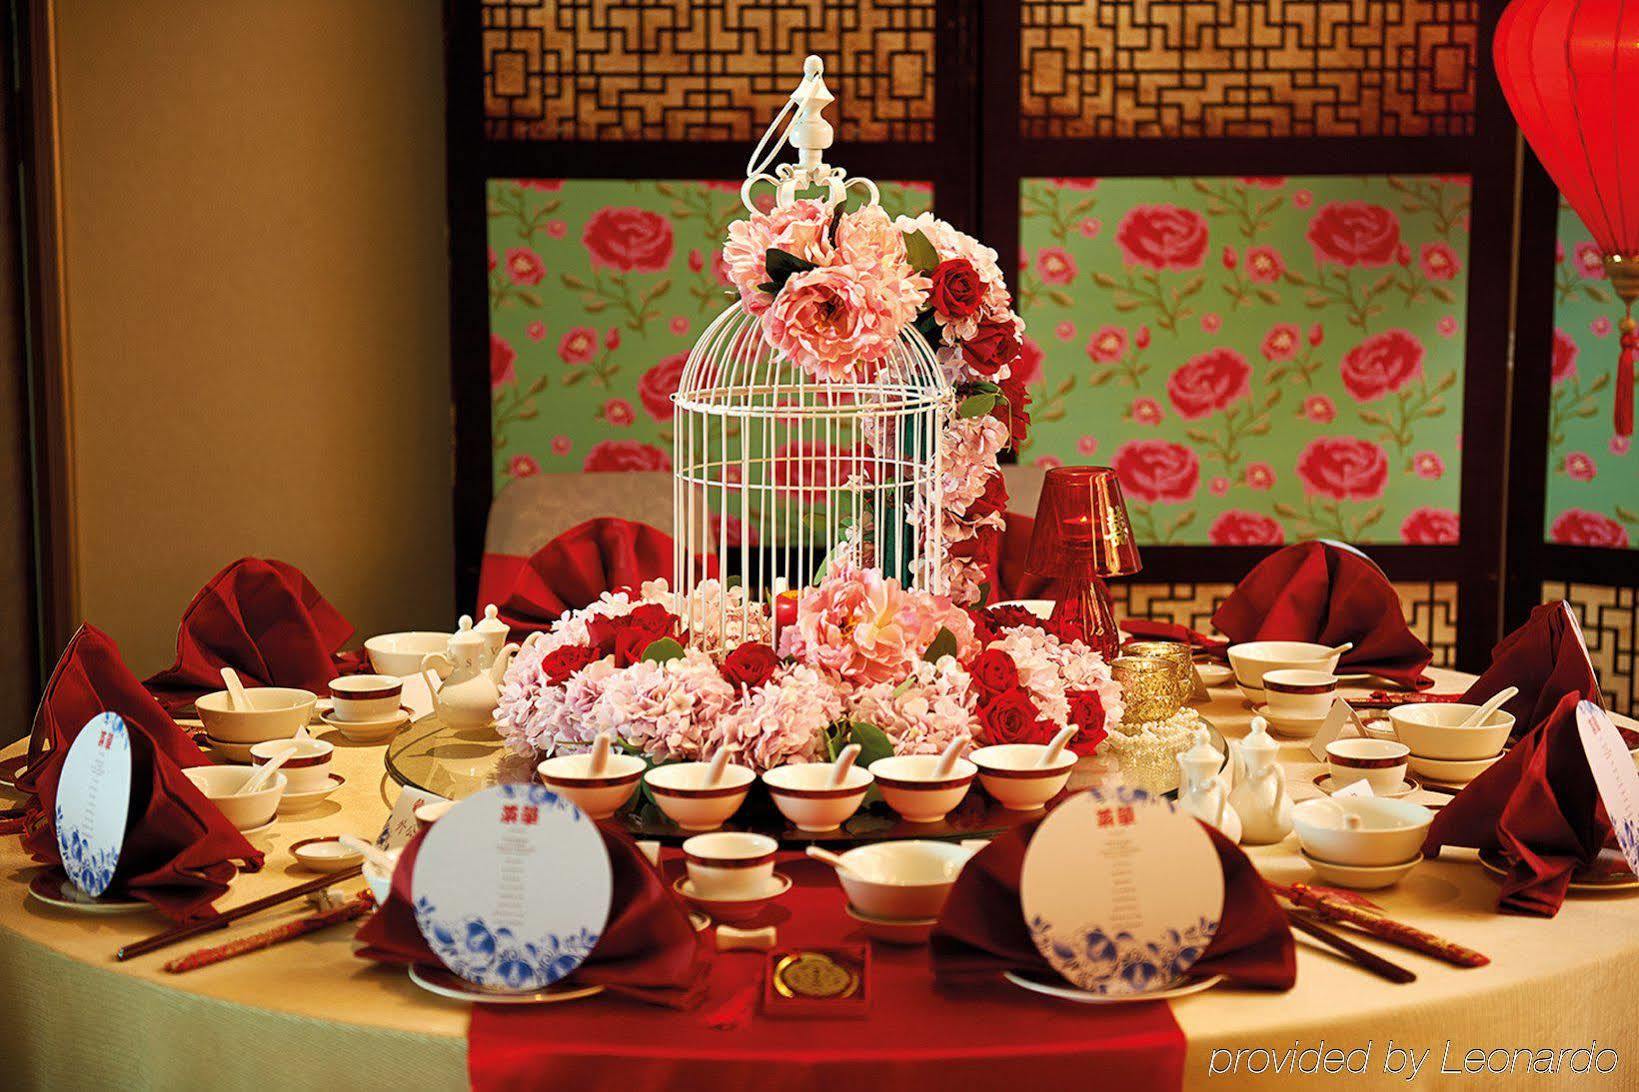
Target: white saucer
[302, 801]
[1086, 997]
[445, 984]
[265, 826]
[1613, 875]
[1360, 877]
[1290, 727]
[1214, 674]
[889, 931]
[367, 731]
[236, 753]
[1451, 771]
[334, 858]
[65, 896]
[1323, 782]
[732, 911]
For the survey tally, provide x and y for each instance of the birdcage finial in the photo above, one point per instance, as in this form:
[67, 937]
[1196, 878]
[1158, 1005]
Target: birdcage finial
[810, 134]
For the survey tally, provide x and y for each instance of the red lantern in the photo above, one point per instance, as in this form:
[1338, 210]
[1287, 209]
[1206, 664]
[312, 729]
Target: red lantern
[1571, 73]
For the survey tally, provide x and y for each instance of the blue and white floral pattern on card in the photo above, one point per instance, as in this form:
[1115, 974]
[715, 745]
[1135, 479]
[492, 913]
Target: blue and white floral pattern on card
[512, 888]
[1121, 891]
[94, 802]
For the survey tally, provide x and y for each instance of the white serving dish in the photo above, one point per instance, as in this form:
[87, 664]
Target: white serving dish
[292, 802]
[1290, 727]
[1362, 879]
[804, 794]
[1214, 674]
[911, 785]
[325, 854]
[1391, 832]
[219, 783]
[901, 881]
[400, 653]
[1251, 659]
[367, 731]
[276, 713]
[600, 796]
[1430, 730]
[1010, 774]
[680, 791]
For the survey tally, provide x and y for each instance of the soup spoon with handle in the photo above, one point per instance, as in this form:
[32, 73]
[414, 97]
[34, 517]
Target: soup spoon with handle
[1050, 757]
[947, 759]
[1483, 713]
[258, 780]
[836, 862]
[719, 763]
[236, 690]
[844, 763]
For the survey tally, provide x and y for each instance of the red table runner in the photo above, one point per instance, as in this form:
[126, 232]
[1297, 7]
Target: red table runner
[915, 1036]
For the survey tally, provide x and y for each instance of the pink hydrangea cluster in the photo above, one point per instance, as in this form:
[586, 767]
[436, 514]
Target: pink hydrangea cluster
[670, 711]
[923, 714]
[969, 460]
[864, 628]
[782, 721]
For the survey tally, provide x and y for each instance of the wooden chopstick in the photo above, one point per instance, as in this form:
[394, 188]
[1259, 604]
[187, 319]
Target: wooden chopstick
[228, 917]
[356, 907]
[1379, 926]
[1368, 960]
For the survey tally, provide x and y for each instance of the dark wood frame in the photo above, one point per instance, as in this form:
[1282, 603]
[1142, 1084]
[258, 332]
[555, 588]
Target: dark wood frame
[977, 161]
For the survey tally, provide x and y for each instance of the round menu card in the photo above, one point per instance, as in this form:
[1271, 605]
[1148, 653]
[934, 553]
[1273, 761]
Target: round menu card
[93, 802]
[512, 887]
[1121, 890]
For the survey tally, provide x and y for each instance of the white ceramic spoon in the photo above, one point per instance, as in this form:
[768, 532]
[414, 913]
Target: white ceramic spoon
[947, 760]
[1050, 756]
[600, 753]
[258, 780]
[1338, 650]
[833, 860]
[844, 763]
[236, 691]
[1483, 713]
[719, 763]
[375, 856]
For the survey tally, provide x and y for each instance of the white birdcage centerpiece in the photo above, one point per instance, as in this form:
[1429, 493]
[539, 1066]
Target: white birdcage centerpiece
[799, 449]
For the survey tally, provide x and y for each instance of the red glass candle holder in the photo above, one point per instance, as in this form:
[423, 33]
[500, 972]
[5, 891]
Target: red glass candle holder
[1082, 536]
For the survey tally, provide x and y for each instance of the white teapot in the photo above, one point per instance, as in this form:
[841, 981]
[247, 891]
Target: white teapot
[1203, 792]
[471, 685]
[1259, 796]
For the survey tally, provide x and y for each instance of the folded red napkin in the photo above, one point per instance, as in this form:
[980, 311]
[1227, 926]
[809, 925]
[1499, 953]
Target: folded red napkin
[648, 951]
[265, 620]
[601, 555]
[982, 933]
[1539, 806]
[1329, 593]
[179, 849]
[1546, 660]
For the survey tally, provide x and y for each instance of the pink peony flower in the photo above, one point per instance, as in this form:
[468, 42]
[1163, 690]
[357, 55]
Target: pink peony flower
[837, 322]
[799, 229]
[862, 626]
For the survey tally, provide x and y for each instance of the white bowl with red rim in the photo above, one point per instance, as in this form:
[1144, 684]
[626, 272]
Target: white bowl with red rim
[400, 653]
[599, 794]
[1381, 763]
[1299, 693]
[913, 786]
[804, 794]
[724, 864]
[308, 767]
[1013, 775]
[1254, 659]
[365, 697]
[680, 790]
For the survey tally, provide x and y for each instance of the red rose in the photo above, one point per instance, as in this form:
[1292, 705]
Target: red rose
[1055, 265]
[1209, 383]
[994, 671]
[524, 266]
[630, 635]
[1579, 527]
[1157, 470]
[992, 345]
[1264, 264]
[501, 356]
[658, 385]
[1439, 262]
[579, 345]
[1016, 413]
[1565, 350]
[993, 499]
[957, 290]
[1430, 527]
[626, 455]
[749, 665]
[1087, 714]
[560, 663]
[1355, 233]
[1382, 364]
[1162, 237]
[1027, 365]
[628, 239]
[1237, 528]
[1011, 717]
[1345, 467]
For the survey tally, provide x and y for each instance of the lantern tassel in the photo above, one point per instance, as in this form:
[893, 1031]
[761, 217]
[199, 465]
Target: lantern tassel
[1624, 377]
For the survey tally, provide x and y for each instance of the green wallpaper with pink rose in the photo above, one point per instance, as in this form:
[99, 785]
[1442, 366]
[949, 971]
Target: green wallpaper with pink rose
[1593, 475]
[1261, 359]
[597, 289]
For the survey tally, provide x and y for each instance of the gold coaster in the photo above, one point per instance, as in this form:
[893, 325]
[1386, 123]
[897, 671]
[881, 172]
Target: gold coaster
[814, 975]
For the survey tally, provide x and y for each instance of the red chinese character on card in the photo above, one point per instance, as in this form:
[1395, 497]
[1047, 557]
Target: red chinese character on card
[509, 813]
[1125, 815]
[531, 813]
[1105, 817]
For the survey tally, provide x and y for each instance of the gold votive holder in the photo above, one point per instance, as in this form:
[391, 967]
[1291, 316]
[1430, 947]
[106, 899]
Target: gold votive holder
[1149, 687]
[1175, 653]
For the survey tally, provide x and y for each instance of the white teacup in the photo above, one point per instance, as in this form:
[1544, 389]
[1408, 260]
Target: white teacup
[730, 865]
[1299, 693]
[1380, 763]
[365, 697]
[307, 770]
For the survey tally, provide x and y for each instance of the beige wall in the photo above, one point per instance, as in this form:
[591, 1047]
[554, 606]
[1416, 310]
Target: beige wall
[257, 302]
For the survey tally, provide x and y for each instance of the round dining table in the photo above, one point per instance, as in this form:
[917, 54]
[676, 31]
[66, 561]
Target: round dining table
[310, 1014]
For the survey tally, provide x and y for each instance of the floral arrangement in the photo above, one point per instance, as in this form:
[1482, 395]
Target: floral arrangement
[863, 660]
[835, 290]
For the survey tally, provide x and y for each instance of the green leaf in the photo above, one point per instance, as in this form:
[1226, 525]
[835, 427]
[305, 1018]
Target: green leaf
[873, 743]
[920, 253]
[662, 650]
[1060, 299]
[943, 644]
[783, 265]
[928, 326]
[978, 405]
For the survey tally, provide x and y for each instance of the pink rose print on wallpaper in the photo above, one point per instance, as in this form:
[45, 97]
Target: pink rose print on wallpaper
[1430, 527]
[1237, 528]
